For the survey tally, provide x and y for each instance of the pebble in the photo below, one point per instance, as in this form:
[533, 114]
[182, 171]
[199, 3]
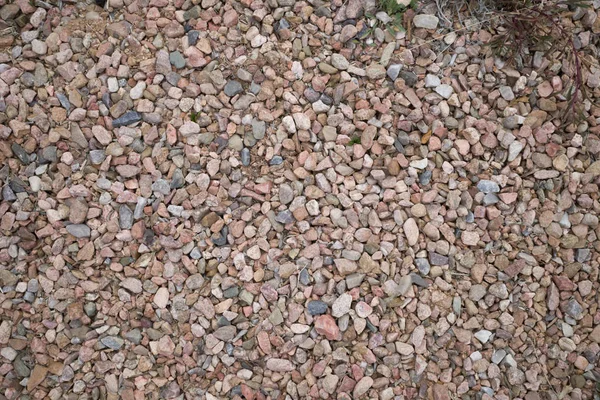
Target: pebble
[444, 90]
[426, 21]
[128, 118]
[393, 71]
[233, 88]
[341, 305]
[317, 307]
[432, 81]
[487, 186]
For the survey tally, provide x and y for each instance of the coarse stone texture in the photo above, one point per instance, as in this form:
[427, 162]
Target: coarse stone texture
[278, 199]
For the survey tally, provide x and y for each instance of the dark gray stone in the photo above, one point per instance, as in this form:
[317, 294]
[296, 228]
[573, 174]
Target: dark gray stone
[245, 155]
[130, 117]
[423, 265]
[8, 194]
[134, 336]
[285, 217]
[487, 186]
[125, 217]
[233, 88]
[112, 342]
[193, 37]
[79, 230]
[97, 156]
[177, 59]
[193, 12]
[48, 155]
[425, 178]
[410, 78]
[437, 259]
[317, 307]
[276, 160]
[177, 180]
[20, 153]
[64, 101]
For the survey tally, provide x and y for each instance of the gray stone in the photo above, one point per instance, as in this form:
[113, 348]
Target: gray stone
[225, 333]
[506, 93]
[410, 78]
[193, 12]
[258, 129]
[254, 88]
[487, 186]
[49, 154]
[125, 217]
[20, 153]
[134, 336]
[498, 356]
[63, 100]
[8, 194]
[79, 230]
[97, 156]
[573, 309]
[90, 309]
[245, 155]
[177, 59]
[418, 280]
[194, 281]
[514, 149]
[232, 88]
[112, 342]
[339, 61]
[316, 307]
[130, 117]
[286, 194]
[285, 217]
[423, 265]
[276, 160]
[437, 259]
[490, 199]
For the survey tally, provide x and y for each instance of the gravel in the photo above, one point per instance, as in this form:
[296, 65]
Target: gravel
[270, 199]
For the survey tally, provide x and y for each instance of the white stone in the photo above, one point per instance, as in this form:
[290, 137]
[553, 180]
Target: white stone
[339, 61]
[432, 81]
[137, 91]
[411, 230]
[341, 305]
[419, 164]
[289, 124]
[161, 298]
[444, 90]
[483, 336]
[36, 183]
[426, 21]
[113, 84]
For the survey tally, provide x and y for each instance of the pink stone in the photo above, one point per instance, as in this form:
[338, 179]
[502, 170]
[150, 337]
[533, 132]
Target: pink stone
[325, 325]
